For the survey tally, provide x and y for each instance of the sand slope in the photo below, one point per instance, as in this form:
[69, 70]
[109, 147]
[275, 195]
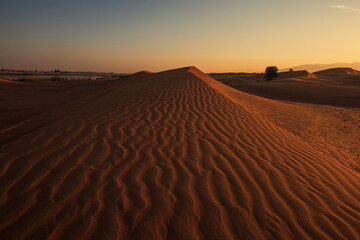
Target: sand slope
[304, 75]
[335, 87]
[341, 72]
[324, 112]
[344, 76]
[170, 155]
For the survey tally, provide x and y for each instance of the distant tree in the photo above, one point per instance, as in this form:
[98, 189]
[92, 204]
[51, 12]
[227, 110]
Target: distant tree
[291, 70]
[271, 73]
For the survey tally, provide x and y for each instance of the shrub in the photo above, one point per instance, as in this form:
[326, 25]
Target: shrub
[271, 73]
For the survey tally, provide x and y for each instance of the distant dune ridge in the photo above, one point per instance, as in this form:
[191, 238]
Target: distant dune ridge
[319, 67]
[168, 155]
[341, 72]
[298, 74]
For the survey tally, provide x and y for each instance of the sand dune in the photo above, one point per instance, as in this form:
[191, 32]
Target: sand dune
[338, 72]
[169, 155]
[343, 96]
[320, 67]
[343, 76]
[322, 111]
[304, 75]
[335, 87]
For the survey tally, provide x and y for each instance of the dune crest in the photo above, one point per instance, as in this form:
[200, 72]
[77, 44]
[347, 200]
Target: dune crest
[169, 155]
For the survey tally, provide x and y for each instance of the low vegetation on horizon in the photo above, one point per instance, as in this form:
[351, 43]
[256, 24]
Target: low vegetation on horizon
[271, 73]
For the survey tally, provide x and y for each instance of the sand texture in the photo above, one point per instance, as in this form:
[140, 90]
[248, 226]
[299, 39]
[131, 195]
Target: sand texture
[169, 155]
[323, 111]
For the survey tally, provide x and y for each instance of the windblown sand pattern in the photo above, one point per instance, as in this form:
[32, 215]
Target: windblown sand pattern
[162, 156]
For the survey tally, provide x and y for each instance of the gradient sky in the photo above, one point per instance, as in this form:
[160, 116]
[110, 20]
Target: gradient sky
[215, 36]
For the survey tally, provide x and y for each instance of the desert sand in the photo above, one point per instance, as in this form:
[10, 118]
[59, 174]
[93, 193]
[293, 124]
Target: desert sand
[321, 108]
[172, 155]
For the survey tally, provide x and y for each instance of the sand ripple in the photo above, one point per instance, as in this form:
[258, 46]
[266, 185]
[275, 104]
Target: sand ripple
[167, 156]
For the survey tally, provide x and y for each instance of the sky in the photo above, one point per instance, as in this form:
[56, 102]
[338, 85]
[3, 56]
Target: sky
[215, 35]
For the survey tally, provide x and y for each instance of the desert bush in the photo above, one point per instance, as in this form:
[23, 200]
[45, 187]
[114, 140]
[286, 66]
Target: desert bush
[271, 73]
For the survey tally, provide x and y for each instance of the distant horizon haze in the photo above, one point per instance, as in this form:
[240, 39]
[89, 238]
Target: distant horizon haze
[307, 67]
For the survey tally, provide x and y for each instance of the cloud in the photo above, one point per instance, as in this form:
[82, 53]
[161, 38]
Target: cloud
[344, 7]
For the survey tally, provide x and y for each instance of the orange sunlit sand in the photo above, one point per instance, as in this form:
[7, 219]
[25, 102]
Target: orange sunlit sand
[179, 155]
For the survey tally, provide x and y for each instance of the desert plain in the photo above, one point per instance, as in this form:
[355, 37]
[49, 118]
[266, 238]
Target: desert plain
[180, 154]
